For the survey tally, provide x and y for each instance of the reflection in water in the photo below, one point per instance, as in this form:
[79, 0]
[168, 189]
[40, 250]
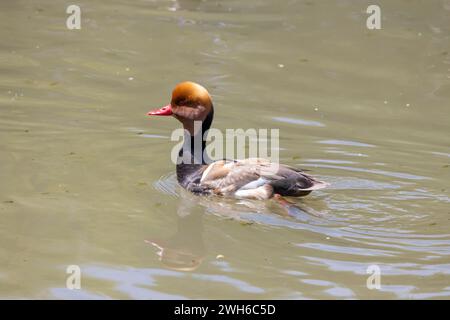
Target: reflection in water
[184, 250]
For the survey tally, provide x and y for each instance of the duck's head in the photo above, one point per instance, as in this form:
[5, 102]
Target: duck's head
[190, 102]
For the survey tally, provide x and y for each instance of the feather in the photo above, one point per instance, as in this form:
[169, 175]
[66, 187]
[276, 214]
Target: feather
[257, 178]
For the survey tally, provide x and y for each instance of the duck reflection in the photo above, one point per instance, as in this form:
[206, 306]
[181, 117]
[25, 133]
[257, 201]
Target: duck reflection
[185, 250]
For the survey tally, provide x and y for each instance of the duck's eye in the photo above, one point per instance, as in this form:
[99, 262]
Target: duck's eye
[182, 102]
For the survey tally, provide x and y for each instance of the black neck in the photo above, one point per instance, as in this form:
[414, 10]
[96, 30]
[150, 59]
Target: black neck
[190, 159]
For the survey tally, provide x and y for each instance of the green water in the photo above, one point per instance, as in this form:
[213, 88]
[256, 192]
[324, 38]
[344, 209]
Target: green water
[86, 178]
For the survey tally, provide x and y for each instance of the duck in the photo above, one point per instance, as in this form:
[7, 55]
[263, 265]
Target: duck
[252, 178]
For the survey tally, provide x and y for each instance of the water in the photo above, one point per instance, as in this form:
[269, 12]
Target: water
[86, 178]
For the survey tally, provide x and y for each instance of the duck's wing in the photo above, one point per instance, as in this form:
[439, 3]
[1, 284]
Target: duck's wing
[257, 178]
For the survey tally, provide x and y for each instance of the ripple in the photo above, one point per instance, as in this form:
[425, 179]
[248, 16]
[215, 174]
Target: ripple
[144, 283]
[153, 136]
[391, 269]
[239, 284]
[417, 195]
[340, 292]
[349, 183]
[347, 143]
[81, 294]
[167, 184]
[348, 250]
[400, 175]
[301, 122]
[146, 135]
[346, 153]
[443, 154]
[136, 283]
[330, 161]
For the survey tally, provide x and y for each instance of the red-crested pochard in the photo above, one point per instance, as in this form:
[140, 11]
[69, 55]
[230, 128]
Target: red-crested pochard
[254, 178]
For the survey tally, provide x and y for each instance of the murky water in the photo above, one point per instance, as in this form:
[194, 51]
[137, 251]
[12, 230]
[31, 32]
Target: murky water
[86, 178]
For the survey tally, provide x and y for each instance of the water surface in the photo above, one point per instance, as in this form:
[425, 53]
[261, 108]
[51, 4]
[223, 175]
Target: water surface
[86, 178]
